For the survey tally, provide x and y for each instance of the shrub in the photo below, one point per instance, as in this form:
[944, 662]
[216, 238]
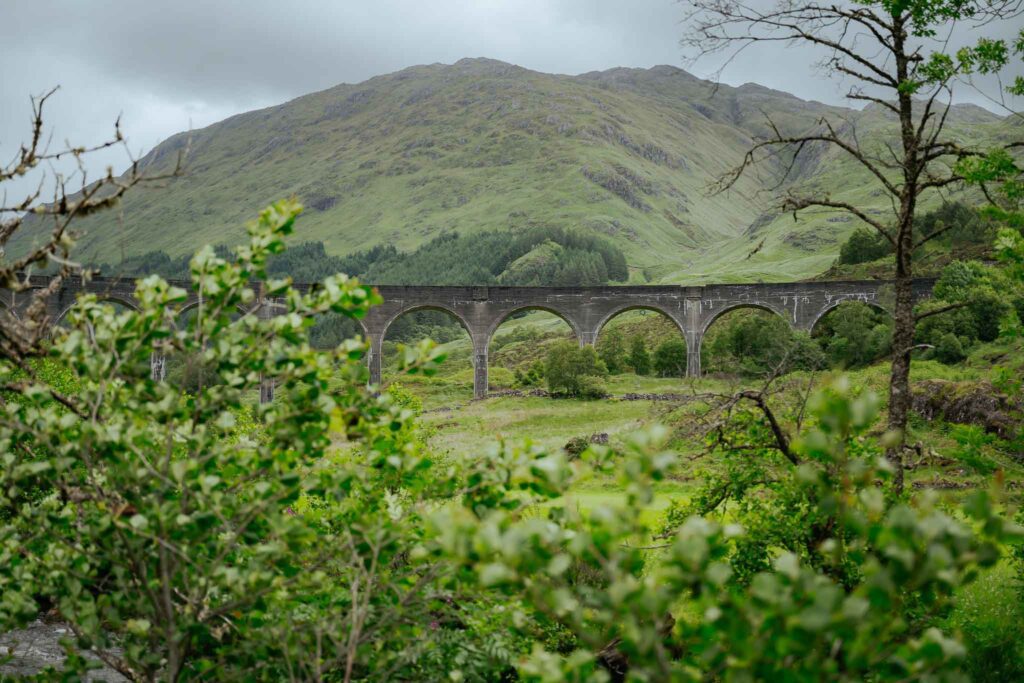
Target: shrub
[611, 347]
[853, 335]
[988, 309]
[864, 245]
[531, 377]
[639, 359]
[670, 358]
[404, 398]
[755, 343]
[574, 371]
[592, 386]
[185, 538]
[959, 224]
[949, 350]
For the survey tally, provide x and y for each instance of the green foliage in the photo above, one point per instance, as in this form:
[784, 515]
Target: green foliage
[981, 299]
[184, 537]
[990, 620]
[574, 371]
[569, 258]
[971, 439]
[670, 358]
[956, 225]
[611, 347]
[404, 398]
[639, 359]
[532, 377]
[854, 335]
[953, 227]
[864, 245]
[853, 600]
[755, 343]
[321, 518]
[949, 350]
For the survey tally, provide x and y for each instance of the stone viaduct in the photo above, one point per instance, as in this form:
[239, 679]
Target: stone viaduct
[480, 310]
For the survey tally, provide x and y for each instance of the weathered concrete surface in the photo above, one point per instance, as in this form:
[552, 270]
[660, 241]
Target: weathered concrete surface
[481, 310]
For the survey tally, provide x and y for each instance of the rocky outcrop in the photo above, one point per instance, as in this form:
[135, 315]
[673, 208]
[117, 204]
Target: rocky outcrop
[976, 403]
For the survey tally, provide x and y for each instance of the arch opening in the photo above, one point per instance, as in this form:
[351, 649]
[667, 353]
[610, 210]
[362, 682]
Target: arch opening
[750, 340]
[853, 334]
[330, 329]
[518, 344]
[189, 371]
[188, 311]
[643, 341]
[455, 377]
[847, 303]
[118, 303]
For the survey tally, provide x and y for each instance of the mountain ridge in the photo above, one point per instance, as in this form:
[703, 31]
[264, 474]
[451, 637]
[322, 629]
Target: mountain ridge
[625, 153]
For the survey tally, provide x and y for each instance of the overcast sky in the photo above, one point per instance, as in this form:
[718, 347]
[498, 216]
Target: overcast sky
[168, 66]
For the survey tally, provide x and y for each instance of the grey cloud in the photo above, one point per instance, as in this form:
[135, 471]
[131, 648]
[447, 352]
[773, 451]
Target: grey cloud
[169, 65]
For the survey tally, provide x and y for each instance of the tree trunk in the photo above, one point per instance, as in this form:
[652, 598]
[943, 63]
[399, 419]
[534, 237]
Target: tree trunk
[899, 380]
[903, 329]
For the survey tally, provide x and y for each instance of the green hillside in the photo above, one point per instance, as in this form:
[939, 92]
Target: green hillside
[480, 145]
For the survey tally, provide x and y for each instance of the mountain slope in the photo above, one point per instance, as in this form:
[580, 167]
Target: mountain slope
[484, 145]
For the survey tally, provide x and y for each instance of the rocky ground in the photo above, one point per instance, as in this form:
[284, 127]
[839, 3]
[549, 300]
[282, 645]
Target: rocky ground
[36, 647]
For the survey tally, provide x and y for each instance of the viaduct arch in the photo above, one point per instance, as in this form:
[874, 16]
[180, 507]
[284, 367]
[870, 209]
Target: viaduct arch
[481, 310]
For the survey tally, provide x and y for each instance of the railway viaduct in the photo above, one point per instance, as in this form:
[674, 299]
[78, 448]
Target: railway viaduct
[480, 310]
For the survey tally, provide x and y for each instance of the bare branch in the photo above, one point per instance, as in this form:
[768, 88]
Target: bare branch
[23, 335]
[939, 311]
[795, 204]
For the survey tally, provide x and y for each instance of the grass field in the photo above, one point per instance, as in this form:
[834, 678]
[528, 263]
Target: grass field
[461, 425]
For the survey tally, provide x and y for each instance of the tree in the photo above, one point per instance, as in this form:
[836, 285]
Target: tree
[853, 335]
[894, 56]
[862, 246]
[757, 343]
[975, 299]
[959, 224]
[639, 359]
[612, 350]
[574, 371]
[949, 350]
[670, 358]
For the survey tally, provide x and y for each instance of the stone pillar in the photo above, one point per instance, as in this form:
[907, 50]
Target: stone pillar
[157, 366]
[588, 338]
[374, 357]
[693, 334]
[693, 342]
[480, 368]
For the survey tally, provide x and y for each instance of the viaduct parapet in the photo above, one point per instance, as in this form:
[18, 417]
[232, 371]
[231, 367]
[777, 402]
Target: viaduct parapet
[481, 310]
